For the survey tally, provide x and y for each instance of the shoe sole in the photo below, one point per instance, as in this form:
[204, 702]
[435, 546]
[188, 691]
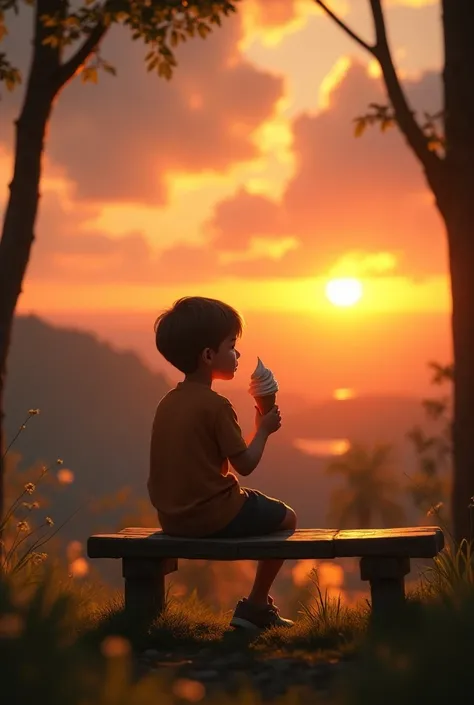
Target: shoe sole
[240, 623]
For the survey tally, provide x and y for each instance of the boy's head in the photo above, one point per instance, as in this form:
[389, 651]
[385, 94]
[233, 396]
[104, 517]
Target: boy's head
[198, 333]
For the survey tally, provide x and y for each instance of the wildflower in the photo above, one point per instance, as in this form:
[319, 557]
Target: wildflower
[30, 505]
[29, 487]
[38, 558]
[49, 521]
[65, 476]
[188, 689]
[23, 526]
[33, 412]
[114, 646]
[435, 509]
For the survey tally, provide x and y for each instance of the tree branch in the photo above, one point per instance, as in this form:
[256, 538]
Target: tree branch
[345, 28]
[72, 65]
[404, 116]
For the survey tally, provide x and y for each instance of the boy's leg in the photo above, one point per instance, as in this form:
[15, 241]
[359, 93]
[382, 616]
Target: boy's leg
[268, 569]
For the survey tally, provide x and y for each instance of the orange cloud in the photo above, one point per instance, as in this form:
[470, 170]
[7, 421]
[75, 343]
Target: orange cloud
[118, 140]
[354, 206]
[233, 216]
[362, 195]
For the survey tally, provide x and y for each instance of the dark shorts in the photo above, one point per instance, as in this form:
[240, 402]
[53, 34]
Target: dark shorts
[259, 515]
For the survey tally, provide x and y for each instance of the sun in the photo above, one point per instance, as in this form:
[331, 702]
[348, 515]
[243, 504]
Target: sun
[344, 292]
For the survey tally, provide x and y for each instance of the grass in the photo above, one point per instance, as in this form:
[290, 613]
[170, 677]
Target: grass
[60, 643]
[325, 629]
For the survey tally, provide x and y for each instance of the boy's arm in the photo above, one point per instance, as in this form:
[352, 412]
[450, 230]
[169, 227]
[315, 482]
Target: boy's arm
[246, 461]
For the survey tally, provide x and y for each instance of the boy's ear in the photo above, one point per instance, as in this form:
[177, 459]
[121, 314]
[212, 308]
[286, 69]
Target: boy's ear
[207, 355]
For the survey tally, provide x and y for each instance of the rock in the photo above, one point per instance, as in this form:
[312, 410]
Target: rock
[151, 654]
[236, 662]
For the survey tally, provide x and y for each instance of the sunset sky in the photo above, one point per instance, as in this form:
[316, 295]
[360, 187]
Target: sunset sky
[241, 179]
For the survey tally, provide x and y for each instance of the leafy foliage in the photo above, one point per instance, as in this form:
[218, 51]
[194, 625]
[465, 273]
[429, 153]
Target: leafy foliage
[429, 487]
[384, 116]
[161, 24]
[370, 487]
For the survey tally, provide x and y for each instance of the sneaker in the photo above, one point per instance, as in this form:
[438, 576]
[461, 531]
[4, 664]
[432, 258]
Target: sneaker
[255, 617]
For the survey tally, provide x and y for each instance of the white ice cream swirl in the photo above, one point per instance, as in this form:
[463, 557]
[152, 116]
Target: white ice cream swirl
[262, 381]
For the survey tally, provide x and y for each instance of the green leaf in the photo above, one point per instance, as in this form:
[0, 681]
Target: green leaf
[385, 123]
[203, 30]
[165, 71]
[109, 68]
[89, 75]
[153, 64]
[12, 79]
[361, 124]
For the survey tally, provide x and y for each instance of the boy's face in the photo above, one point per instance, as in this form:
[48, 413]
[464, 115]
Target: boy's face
[224, 363]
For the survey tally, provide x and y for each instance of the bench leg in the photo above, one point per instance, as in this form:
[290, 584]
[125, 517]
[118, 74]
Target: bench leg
[145, 586]
[386, 576]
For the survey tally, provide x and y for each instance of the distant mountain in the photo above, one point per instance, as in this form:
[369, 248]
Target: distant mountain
[97, 405]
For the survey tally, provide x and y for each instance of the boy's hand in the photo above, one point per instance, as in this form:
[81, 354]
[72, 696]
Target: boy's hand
[269, 422]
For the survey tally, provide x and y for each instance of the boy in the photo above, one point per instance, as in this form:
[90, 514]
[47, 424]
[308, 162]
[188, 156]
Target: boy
[196, 435]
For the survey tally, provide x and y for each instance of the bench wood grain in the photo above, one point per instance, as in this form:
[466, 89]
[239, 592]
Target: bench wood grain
[149, 554]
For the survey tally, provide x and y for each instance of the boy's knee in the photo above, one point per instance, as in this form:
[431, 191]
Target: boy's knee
[290, 520]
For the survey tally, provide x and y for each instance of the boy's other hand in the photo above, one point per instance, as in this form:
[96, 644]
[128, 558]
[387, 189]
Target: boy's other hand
[269, 422]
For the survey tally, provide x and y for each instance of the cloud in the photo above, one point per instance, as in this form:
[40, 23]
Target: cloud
[67, 249]
[230, 222]
[353, 207]
[363, 195]
[120, 139]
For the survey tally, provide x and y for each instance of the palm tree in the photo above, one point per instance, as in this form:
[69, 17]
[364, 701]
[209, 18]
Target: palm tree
[370, 488]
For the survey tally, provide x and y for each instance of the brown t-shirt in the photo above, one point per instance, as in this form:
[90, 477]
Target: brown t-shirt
[194, 431]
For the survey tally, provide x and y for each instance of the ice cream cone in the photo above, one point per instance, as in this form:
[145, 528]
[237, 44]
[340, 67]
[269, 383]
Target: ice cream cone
[265, 403]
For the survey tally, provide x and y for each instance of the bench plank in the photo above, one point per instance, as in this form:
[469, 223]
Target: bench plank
[137, 542]
[412, 542]
[149, 543]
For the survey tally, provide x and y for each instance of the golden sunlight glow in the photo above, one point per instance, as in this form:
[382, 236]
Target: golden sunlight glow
[343, 393]
[264, 247]
[332, 80]
[381, 294]
[322, 447]
[358, 264]
[271, 27]
[344, 292]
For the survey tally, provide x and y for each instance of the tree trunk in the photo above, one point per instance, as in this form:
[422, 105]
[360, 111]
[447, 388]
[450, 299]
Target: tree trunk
[18, 236]
[20, 216]
[457, 205]
[461, 255]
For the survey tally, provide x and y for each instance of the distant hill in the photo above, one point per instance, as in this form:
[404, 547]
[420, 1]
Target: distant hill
[97, 405]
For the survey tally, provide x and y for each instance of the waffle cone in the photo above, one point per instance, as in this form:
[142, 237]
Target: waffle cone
[265, 403]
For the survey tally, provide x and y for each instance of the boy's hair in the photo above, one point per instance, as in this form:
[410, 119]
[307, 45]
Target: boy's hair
[192, 324]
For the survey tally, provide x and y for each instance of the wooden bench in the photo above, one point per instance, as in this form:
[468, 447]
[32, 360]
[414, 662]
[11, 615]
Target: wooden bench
[149, 554]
